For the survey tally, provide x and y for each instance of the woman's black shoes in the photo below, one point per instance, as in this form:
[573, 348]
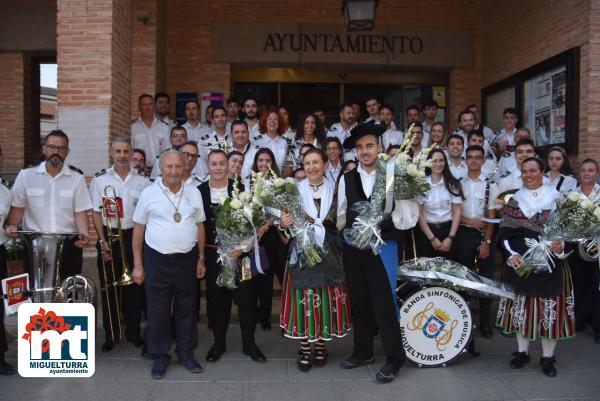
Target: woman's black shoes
[519, 360]
[548, 367]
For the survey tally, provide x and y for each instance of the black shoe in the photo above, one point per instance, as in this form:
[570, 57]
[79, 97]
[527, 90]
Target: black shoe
[255, 354]
[471, 349]
[320, 357]
[159, 368]
[136, 341]
[108, 345]
[486, 331]
[192, 365]
[519, 360]
[266, 325]
[387, 373]
[305, 362]
[548, 367]
[6, 369]
[215, 352]
[354, 362]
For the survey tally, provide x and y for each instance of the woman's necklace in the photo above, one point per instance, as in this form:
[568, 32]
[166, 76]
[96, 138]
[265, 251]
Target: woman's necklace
[316, 187]
[176, 215]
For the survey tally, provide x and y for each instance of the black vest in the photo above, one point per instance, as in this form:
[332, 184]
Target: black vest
[209, 210]
[355, 194]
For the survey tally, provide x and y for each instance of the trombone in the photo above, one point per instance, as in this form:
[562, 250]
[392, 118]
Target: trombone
[111, 209]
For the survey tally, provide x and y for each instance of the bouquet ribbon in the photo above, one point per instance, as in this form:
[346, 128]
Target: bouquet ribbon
[364, 225]
[389, 185]
[539, 248]
[248, 212]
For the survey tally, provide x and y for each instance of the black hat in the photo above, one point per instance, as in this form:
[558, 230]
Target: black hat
[368, 128]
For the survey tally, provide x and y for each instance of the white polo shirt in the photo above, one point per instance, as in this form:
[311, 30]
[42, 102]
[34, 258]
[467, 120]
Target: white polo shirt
[129, 190]
[152, 140]
[195, 133]
[5, 199]
[156, 212]
[50, 202]
[569, 183]
[391, 137]
[437, 206]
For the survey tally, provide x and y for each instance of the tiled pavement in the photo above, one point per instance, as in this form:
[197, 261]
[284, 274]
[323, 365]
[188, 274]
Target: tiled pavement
[123, 375]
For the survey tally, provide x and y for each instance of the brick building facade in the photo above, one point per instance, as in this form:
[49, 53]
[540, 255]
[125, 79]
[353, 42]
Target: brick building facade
[110, 51]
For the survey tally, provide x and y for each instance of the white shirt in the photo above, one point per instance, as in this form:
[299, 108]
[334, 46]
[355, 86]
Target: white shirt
[50, 202]
[569, 183]
[333, 173]
[507, 163]
[336, 130]
[593, 194]
[367, 180]
[129, 190]
[218, 194]
[488, 133]
[248, 153]
[253, 130]
[152, 140]
[391, 137]
[474, 191]
[509, 137]
[156, 212]
[168, 121]
[488, 168]
[437, 206]
[5, 199]
[195, 133]
[458, 171]
[510, 181]
[278, 146]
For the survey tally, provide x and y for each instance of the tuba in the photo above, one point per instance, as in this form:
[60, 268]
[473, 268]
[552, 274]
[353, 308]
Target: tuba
[45, 250]
[588, 249]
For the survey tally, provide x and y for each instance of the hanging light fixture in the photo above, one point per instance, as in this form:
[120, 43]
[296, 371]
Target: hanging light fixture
[359, 14]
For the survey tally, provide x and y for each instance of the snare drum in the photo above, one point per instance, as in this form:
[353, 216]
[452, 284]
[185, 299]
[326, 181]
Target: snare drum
[436, 326]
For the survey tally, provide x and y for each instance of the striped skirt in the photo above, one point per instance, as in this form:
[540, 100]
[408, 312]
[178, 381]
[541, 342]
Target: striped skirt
[314, 314]
[536, 317]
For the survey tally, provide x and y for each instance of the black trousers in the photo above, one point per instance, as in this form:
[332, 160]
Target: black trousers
[277, 255]
[585, 287]
[219, 302]
[71, 261]
[372, 305]
[441, 232]
[171, 280]
[469, 239]
[3, 275]
[128, 298]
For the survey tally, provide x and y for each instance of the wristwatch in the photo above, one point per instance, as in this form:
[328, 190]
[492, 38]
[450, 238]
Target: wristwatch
[488, 241]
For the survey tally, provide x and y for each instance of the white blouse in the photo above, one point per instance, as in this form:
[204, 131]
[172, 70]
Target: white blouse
[437, 206]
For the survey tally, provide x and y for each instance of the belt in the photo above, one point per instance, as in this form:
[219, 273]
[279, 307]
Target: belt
[440, 225]
[116, 230]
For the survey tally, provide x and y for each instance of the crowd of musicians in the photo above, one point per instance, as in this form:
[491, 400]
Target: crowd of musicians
[168, 179]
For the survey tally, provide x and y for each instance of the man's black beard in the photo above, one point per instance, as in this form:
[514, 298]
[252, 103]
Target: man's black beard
[250, 116]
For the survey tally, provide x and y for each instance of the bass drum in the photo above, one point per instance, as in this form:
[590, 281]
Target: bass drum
[436, 325]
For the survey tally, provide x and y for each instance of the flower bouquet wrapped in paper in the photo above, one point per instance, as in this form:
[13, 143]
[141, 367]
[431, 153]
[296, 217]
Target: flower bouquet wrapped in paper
[277, 194]
[575, 218]
[446, 273]
[236, 221]
[365, 231]
[537, 258]
[409, 173]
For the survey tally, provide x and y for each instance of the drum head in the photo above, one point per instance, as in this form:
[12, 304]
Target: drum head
[436, 326]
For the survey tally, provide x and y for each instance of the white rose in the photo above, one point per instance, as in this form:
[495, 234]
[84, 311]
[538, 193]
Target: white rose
[235, 204]
[597, 213]
[573, 196]
[420, 174]
[412, 170]
[383, 156]
[278, 182]
[246, 196]
[587, 204]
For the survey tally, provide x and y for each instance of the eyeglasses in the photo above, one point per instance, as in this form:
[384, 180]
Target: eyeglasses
[475, 157]
[60, 148]
[190, 155]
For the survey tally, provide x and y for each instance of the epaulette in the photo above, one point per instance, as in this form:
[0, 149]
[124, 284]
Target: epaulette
[99, 173]
[164, 122]
[505, 174]
[5, 182]
[457, 130]
[259, 136]
[76, 169]
[489, 156]
[205, 137]
[506, 154]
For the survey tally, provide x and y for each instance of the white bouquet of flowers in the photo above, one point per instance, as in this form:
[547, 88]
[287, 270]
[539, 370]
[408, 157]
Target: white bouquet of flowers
[409, 181]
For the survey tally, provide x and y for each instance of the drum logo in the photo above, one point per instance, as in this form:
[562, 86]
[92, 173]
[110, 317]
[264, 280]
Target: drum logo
[435, 324]
[56, 340]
